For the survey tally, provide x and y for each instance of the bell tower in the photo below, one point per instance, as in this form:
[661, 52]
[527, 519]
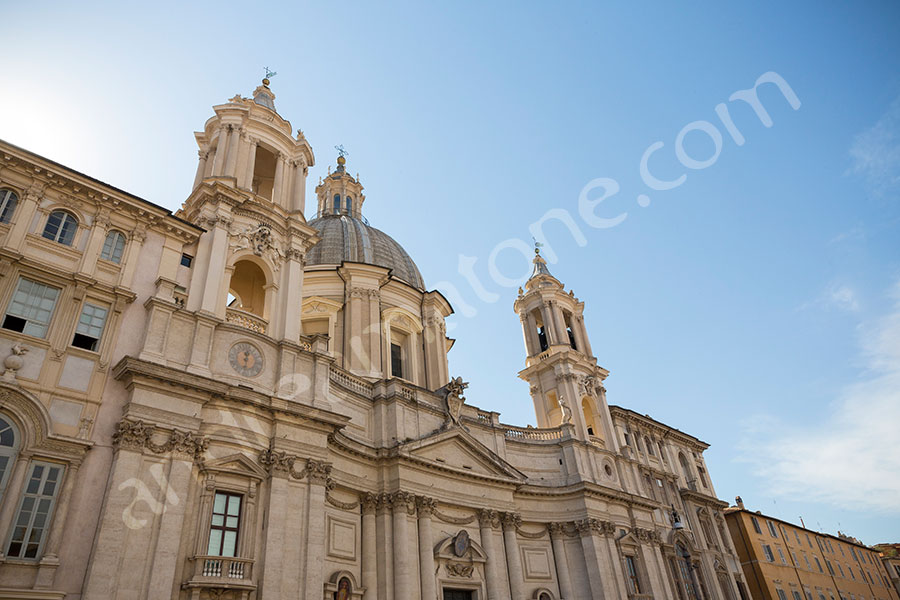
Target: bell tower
[340, 193]
[566, 384]
[249, 196]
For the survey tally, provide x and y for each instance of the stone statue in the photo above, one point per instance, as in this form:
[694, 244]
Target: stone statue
[566, 412]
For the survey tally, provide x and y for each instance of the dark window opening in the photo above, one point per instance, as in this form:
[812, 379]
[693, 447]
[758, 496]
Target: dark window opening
[187, 260]
[396, 361]
[590, 430]
[14, 323]
[84, 341]
[542, 338]
[458, 595]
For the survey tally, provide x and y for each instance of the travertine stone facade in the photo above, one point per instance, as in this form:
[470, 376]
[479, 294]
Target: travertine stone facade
[265, 409]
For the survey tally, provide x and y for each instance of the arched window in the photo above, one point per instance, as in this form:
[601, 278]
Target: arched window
[337, 204]
[247, 289]
[587, 411]
[9, 447]
[686, 470]
[113, 246]
[348, 204]
[686, 585]
[61, 227]
[8, 201]
[648, 445]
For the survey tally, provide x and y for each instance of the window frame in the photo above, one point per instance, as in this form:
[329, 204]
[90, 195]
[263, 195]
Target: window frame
[10, 452]
[97, 341]
[46, 326]
[6, 214]
[224, 528]
[632, 574]
[61, 227]
[112, 255]
[37, 497]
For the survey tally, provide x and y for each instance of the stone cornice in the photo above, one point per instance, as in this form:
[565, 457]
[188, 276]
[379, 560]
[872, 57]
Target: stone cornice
[131, 369]
[702, 498]
[661, 429]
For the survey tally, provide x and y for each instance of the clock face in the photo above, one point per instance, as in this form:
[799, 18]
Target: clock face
[245, 359]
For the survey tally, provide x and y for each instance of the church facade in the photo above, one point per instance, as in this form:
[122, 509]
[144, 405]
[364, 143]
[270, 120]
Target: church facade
[238, 402]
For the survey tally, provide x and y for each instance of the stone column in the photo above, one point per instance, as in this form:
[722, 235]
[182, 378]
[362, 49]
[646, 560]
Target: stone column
[50, 560]
[13, 492]
[513, 560]
[96, 239]
[534, 344]
[233, 147]
[131, 256]
[251, 164]
[425, 506]
[318, 473]
[584, 335]
[592, 558]
[287, 317]
[549, 324]
[201, 168]
[213, 287]
[369, 547]
[274, 540]
[612, 442]
[559, 558]
[402, 573]
[169, 528]
[493, 580]
[560, 322]
[221, 151]
[580, 337]
[385, 534]
[278, 186]
[298, 198]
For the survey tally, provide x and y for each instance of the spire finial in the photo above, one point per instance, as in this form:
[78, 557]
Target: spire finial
[269, 75]
[537, 246]
[342, 156]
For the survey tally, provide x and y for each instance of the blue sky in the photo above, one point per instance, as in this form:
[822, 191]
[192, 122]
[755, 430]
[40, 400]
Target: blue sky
[756, 305]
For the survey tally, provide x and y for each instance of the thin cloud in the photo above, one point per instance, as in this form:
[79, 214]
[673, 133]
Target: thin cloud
[836, 296]
[849, 459]
[875, 153]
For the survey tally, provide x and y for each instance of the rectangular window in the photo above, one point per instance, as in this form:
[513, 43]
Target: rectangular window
[808, 541]
[742, 592]
[755, 525]
[780, 593]
[818, 564]
[186, 260]
[840, 569]
[33, 517]
[634, 584]
[830, 568]
[781, 555]
[806, 559]
[772, 530]
[767, 550]
[90, 326]
[396, 361]
[31, 307]
[796, 595]
[225, 526]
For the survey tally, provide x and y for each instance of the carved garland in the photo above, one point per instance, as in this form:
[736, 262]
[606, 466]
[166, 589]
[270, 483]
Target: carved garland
[283, 463]
[138, 435]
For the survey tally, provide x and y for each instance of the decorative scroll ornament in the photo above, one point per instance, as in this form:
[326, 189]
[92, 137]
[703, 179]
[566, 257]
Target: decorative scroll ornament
[259, 240]
[454, 520]
[459, 569]
[137, 435]
[454, 398]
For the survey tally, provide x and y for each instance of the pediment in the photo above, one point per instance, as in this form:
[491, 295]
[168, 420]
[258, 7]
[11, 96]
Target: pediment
[236, 464]
[456, 450]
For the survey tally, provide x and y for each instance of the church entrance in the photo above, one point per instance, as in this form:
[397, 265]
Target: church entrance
[458, 595]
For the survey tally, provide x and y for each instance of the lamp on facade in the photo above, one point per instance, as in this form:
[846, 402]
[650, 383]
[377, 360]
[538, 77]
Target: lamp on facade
[676, 520]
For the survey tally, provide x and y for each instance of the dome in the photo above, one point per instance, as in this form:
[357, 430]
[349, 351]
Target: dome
[345, 237]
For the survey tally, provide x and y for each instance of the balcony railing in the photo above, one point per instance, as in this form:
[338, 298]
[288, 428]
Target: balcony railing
[246, 320]
[532, 433]
[222, 571]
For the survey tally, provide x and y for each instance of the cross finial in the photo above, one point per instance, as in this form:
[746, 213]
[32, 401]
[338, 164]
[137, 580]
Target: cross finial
[341, 152]
[269, 74]
[537, 246]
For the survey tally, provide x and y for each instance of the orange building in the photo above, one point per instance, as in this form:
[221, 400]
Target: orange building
[783, 561]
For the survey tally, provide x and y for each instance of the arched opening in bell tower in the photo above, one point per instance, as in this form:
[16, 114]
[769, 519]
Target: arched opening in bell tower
[247, 289]
[264, 173]
[570, 331]
[542, 337]
[587, 408]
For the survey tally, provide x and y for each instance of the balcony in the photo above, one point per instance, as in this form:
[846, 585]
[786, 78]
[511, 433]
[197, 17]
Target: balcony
[222, 572]
[246, 320]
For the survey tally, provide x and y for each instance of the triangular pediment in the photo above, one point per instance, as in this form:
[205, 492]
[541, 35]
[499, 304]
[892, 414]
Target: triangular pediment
[458, 451]
[237, 464]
